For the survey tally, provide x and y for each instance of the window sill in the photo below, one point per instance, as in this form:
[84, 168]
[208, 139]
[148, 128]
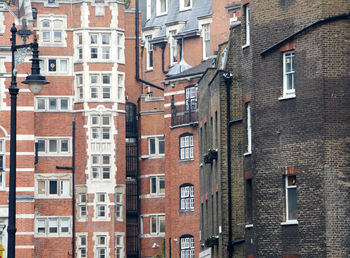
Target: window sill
[289, 223]
[249, 226]
[246, 45]
[185, 160]
[186, 211]
[290, 96]
[148, 70]
[247, 154]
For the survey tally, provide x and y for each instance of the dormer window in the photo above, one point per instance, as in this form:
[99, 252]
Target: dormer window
[162, 7]
[185, 5]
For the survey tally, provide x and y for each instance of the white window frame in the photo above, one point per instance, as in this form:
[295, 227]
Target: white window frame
[149, 9]
[82, 204]
[59, 142]
[100, 128]
[157, 140]
[186, 147]
[159, 11]
[248, 129]
[187, 197]
[119, 204]
[82, 246]
[247, 25]
[51, 30]
[120, 47]
[102, 246]
[79, 81]
[61, 185]
[206, 40]
[187, 247]
[157, 180]
[59, 224]
[46, 101]
[121, 86]
[45, 66]
[149, 53]
[100, 46]
[157, 219]
[2, 163]
[288, 93]
[100, 86]
[98, 166]
[101, 204]
[80, 49]
[119, 245]
[173, 47]
[287, 187]
[183, 7]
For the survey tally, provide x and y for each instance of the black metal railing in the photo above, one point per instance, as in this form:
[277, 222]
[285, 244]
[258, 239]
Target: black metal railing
[132, 159]
[132, 240]
[131, 197]
[184, 114]
[130, 120]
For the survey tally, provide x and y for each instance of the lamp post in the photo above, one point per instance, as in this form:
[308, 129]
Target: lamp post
[35, 82]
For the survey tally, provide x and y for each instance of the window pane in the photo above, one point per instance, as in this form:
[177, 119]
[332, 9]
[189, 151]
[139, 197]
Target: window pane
[64, 104]
[65, 187]
[52, 225]
[64, 66]
[153, 224]
[83, 240]
[64, 145]
[292, 204]
[41, 145]
[64, 225]
[41, 104]
[161, 145]
[105, 39]
[106, 93]
[41, 187]
[46, 36]
[105, 133]
[106, 173]
[52, 104]
[106, 53]
[94, 93]
[41, 225]
[57, 36]
[82, 198]
[45, 24]
[105, 160]
[53, 187]
[93, 39]
[153, 185]
[93, 52]
[95, 172]
[101, 197]
[105, 120]
[57, 24]
[106, 79]
[152, 146]
[290, 83]
[161, 185]
[52, 145]
[161, 224]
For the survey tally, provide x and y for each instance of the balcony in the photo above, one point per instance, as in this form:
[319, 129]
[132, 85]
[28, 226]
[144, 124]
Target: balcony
[185, 114]
[132, 159]
[131, 198]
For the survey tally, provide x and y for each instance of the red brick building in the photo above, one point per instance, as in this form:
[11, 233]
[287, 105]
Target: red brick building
[82, 45]
[136, 187]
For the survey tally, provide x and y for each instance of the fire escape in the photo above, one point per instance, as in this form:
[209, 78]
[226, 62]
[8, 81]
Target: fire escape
[132, 171]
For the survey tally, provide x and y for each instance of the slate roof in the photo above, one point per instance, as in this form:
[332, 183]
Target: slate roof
[200, 8]
[198, 69]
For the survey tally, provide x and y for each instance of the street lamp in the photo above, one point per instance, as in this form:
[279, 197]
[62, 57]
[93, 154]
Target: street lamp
[35, 82]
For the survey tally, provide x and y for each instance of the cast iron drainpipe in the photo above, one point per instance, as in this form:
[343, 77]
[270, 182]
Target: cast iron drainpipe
[162, 46]
[228, 80]
[137, 51]
[73, 187]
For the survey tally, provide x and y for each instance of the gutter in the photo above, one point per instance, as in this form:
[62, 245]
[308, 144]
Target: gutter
[162, 46]
[228, 80]
[320, 21]
[137, 51]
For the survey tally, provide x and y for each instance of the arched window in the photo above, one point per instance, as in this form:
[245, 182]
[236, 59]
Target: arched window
[186, 246]
[187, 197]
[186, 146]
